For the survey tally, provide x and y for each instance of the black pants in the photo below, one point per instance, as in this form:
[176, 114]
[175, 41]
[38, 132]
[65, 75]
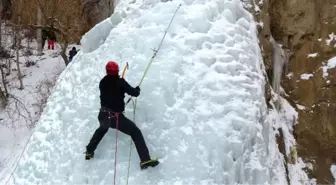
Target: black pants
[125, 125]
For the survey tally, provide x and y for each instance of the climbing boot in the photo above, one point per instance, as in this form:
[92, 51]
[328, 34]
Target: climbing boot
[149, 163]
[89, 155]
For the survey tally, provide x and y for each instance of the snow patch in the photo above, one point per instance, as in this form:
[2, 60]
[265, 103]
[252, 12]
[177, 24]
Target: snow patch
[333, 171]
[300, 107]
[312, 55]
[261, 24]
[256, 8]
[332, 37]
[285, 119]
[331, 63]
[261, 2]
[290, 75]
[306, 76]
[310, 166]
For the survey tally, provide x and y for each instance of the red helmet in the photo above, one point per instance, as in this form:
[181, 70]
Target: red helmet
[112, 68]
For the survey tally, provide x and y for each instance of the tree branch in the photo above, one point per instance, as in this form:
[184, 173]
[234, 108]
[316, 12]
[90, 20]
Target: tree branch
[17, 105]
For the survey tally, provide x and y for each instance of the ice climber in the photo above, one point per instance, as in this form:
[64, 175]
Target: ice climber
[112, 94]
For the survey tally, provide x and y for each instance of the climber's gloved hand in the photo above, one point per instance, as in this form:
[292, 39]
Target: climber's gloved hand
[138, 90]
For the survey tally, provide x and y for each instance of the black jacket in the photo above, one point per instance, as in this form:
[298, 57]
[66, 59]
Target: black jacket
[72, 53]
[112, 92]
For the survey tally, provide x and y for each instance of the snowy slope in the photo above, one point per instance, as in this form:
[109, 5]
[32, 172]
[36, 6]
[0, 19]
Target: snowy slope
[201, 108]
[17, 118]
[15, 121]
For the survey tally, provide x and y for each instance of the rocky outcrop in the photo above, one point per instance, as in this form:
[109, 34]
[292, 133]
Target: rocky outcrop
[97, 10]
[305, 28]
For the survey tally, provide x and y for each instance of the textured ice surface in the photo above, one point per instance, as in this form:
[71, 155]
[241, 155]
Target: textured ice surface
[201, 108]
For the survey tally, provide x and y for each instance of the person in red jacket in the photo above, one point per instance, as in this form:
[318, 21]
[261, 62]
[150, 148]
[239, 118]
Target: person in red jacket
[112, 94]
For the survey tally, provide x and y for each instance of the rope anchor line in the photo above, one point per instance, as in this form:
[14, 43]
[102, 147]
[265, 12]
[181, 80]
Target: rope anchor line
[142, 78]
[156, 51]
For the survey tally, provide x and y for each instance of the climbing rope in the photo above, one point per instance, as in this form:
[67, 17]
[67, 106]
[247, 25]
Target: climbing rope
[142, 78]
[130, 153]
[156, 51]
[116, 116]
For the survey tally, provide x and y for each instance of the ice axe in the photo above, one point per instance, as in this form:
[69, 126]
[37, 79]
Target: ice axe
[124, 70]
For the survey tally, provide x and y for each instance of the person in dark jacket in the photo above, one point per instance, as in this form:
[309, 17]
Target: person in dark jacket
[112, 94]
[72, 53]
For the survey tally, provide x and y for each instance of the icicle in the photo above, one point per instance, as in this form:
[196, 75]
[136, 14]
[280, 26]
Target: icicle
[279, 59]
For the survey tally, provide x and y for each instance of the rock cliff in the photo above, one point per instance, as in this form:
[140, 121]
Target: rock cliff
[306, 29]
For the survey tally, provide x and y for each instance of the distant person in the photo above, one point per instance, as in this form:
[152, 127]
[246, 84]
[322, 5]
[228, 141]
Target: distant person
[72, 53]
[112, 94]
[48, 35]
[51, 44]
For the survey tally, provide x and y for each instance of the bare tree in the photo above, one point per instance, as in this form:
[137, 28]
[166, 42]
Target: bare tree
[39, 30]
[4, 56]
[3, 77]
[1, 9]
[17, 38]
[5, 59]
[21, 111]
[2, 93]
[8, 63]
[3, 89]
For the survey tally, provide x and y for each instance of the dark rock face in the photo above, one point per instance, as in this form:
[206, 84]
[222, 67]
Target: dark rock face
[97, 10]
[306, 27]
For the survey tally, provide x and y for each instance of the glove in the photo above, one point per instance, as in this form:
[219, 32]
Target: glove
[138, 89]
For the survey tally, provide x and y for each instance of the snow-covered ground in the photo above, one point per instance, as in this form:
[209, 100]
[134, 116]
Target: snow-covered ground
[25, 106]
[201, 110]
